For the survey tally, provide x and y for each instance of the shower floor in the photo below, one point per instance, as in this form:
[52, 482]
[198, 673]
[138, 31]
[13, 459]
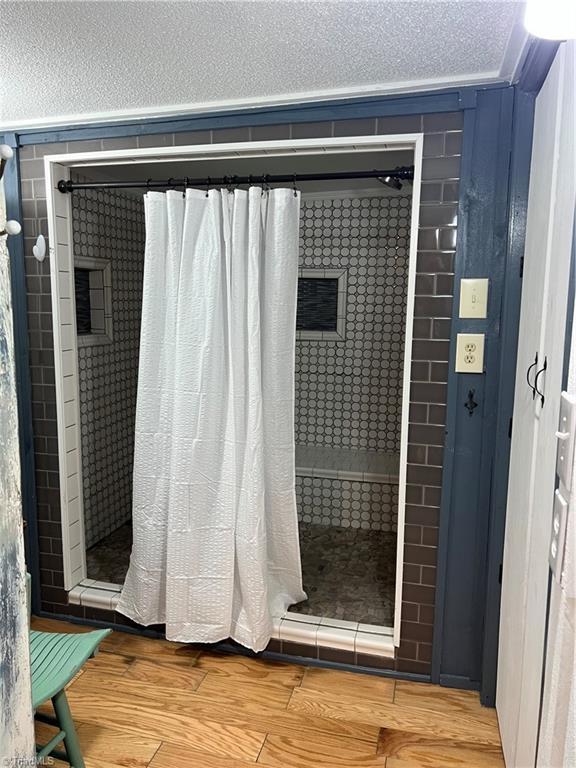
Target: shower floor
[348, 573]
[109, 559]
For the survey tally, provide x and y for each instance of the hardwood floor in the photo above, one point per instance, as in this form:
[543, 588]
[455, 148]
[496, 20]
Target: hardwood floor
[145, 702]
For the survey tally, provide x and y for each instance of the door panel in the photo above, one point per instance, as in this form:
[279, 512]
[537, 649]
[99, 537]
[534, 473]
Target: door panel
[530, 419]
[551, 384]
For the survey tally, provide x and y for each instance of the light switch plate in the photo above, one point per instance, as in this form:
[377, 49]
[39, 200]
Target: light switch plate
[474, 297]
[558, 535]
[470, 353]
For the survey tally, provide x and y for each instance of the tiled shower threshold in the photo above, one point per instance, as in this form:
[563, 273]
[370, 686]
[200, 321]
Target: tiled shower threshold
[299, 628]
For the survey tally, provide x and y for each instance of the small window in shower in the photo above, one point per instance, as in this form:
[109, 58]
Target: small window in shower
[92, 290]
[321, 312]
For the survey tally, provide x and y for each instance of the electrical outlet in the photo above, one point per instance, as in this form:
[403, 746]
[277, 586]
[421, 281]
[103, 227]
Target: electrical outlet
[470, 353]
[558, 535]
[566, 436]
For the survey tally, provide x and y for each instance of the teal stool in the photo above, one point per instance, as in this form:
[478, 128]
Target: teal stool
[55, 658]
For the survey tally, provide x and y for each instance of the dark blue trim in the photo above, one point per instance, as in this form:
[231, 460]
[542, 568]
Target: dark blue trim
[469, 453]
[307, 662]
[537, 63]
[449, 100]
[456, 681]
[19, 315]
[510, 318]
[11, 139]
[451, 416]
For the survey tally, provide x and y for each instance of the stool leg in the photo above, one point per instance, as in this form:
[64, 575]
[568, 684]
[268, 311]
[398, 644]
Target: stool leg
[66, 723]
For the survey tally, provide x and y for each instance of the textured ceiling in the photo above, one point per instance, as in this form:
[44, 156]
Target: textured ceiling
[63, 61]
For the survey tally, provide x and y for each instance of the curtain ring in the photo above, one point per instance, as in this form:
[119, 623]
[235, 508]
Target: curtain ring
[185, 186]
[265, 184]
[294, 186]
[249, 180]
[207, 185]
[171, 182]
[148, 182]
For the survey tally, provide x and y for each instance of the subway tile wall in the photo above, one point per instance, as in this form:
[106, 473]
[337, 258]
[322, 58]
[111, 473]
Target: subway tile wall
[435, 267]
[109, 225]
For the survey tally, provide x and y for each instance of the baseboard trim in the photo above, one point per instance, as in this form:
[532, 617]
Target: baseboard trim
[456, 681]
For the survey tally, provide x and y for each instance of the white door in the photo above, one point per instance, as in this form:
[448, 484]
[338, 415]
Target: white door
[533, 452]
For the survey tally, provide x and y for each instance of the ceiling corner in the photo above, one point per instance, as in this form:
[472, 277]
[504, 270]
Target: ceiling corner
[515, 53]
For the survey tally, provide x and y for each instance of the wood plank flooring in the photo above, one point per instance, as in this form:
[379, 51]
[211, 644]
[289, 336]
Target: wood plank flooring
[145, 703]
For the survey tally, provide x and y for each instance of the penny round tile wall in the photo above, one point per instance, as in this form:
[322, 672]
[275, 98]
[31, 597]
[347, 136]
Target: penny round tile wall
[349, 391]
[109, 226]
[347, 503]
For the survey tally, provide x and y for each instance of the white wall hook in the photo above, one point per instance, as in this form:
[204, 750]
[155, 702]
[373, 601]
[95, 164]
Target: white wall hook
[11, 228]
[39, 250]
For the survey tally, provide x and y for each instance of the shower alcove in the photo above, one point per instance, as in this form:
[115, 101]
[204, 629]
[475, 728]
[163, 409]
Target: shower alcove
[354, 321]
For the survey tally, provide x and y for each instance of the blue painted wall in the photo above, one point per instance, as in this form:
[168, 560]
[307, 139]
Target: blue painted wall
[471, 439]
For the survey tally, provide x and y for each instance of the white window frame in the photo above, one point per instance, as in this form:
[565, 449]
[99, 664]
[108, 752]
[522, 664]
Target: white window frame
[58, 167]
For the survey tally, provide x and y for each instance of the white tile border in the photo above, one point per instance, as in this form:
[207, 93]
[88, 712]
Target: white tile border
[95, 594]
[325, 632]
[305, 618]
[374, 644]
[375, 629]
[335, 637]
[347, 474]
[326, 621]
[66, 374]
[316, 631]
[276, 622]
[406, 383]
[298, 631]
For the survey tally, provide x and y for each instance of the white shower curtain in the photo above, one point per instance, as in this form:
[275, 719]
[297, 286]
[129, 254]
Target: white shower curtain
[216, 551]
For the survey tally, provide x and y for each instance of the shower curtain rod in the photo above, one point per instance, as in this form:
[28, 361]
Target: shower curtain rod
[406, 173]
